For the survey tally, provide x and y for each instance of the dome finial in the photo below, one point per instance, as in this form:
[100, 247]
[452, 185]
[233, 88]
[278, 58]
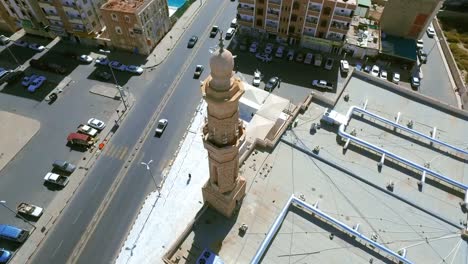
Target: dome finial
[221, 43]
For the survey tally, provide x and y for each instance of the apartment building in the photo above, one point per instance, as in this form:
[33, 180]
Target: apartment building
[24, 13]
[413, 17]
[316, 24]
[136, 25]
[76, 20]
[8, 21]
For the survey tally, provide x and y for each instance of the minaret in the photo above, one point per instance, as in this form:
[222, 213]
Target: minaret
[223, 133]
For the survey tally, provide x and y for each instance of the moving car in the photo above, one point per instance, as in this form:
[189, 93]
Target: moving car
[64, 165]
[322, 84]
[230, 33]
[103, 60]
[96, 123]
[375, 71]
[271, 84]
[308, 58]
[117, 65]
[257, 78]
[85, 58]
[28, 79]
[430, 32]
[396, 78]
[415, 82]
[20, 43]
[5, 255]
[36, 47]
[162, 124]
[134, 69]
[214, 31]
[192, 41]
[264, 57]
[344, 65]
[13, 233]
[36, 83]
[419, 44]
[383, 74]
[329, 64]
[268, 48]
[253, 47]
[198, 71]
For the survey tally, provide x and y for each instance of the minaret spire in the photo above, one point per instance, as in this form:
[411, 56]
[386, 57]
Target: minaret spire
[221, 43]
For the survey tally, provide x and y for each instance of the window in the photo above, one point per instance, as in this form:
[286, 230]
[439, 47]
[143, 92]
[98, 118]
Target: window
[259, 11]
[296, 5]
[130, 31]
[127, 19]
[114, 17]
[259, 22]
[293, 18]
[326, 10]
[292, 29]
[118, 30]
[323, 23]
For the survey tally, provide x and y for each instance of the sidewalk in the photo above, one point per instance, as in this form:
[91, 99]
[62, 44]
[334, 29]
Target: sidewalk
[168, 211]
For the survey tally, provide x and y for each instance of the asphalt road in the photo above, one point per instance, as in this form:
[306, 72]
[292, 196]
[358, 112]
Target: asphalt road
[435, 82]
[107, 237]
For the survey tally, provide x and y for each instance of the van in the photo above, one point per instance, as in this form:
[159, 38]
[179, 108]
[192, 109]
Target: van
[13, 233]
[234, 23]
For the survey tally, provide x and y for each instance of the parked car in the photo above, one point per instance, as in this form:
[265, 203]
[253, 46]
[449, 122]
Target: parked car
[358, 67]
[383, 74]
[430, 32]
[257, 78]
[198, 71]
[104, 75]
[329, 64]
[253, 47]
[87, 130]
[415, 82]
[279, 52]
[102, 60]
[85, 58]
[264, 57]
[64, 166]
[318, 60]
[117, 65]
[368, 68]
[36, 84]
[230, 33]
[419, 44]
[12, 75]
[192, 41]
[234, 23]
[300, 57]
[268, 48]
[308, 58]
[290, 55]
[344, 65]
[29, 210]
[396, 78]
[214, 31]
[271, 84]
[20, 43]
[96, 123]
[322, 84]
[134, 69]
[162, 124]
[422, 56]
[13, 233]
[28, 79]
[4, 40]
[36, 47]
[56, 179]
[5, 256]
[375, 71]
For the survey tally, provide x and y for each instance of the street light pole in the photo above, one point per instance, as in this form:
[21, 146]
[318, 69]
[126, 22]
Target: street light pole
[122, 93]
[16, 60]
[14, 212]
[148, 168]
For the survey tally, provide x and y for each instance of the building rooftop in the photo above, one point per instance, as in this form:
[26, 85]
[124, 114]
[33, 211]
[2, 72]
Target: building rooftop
[399, 47]
[363, 33]
[123, 5]
[420, 222]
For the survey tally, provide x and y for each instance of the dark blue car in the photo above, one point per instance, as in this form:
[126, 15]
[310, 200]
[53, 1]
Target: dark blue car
[5, 256]
[13, 233]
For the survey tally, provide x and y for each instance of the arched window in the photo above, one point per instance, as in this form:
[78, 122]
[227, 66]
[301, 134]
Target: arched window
[294, 17]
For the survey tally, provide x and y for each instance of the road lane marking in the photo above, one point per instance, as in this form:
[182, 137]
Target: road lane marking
[56, 249]
[117, 152]
[78, 216]
[109, 150]
[123, 153]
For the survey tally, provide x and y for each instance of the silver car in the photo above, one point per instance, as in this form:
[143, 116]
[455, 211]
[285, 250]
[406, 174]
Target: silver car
[162, 124]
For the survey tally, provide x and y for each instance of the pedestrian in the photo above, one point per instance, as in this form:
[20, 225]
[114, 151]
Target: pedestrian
[190, 176]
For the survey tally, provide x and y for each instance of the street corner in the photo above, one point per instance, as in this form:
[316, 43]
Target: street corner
[11, 142]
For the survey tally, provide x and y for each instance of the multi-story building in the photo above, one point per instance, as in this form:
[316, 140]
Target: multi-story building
[316, 24]
[26, 14]
[413, 17]
[136, 25]
[8, 21]
[77, 20]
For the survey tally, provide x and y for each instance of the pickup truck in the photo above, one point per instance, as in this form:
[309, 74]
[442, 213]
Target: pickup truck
[87, 130]
[214, 31]
[56, 179]
[29, 209]
[322, 84]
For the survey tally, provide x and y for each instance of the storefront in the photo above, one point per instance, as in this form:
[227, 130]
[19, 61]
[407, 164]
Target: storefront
[319, 44]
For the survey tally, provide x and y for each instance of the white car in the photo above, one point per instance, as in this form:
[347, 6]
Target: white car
[308, 58]
[279, 52]
[230, 33]
[36, 47]
[375, 71]
[85, 58]
[430, 32]
[162, 124]
[268, 48]
[257, 78]
[96, 123]
[102, 60]
[264, 57]
[253, 47]
[117, 65]
[383, 74]
[134, 69]
[344, 65]
[396, 78]
[420, 44]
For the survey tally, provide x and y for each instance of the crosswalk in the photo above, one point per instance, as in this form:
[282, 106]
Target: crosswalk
[114, 151]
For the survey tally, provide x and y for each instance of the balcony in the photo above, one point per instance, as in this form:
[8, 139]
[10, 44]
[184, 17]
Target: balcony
[245, 10]
[252, 2]
[310, 24]
[273, 15]
[274, 4]
[314, 13]
[245, 22]
[342, 17]
[47, 2]
[309, 33]
[271, 28]
[52, 15]
[339, 29]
